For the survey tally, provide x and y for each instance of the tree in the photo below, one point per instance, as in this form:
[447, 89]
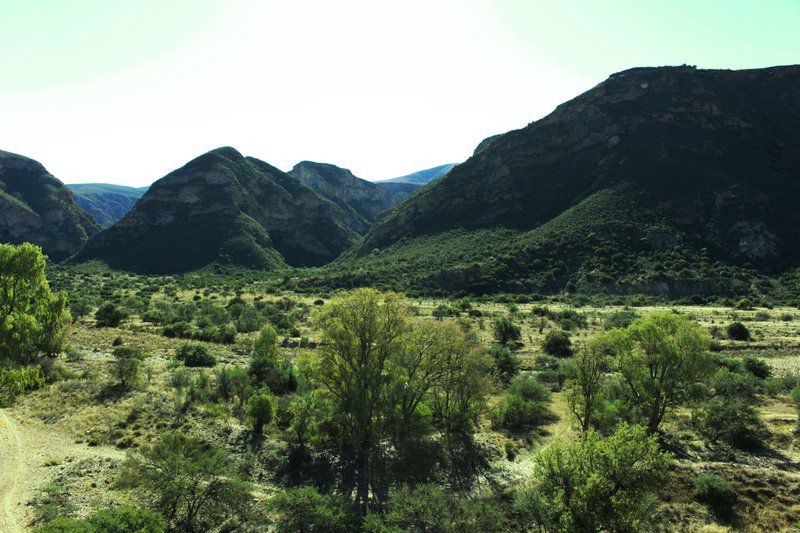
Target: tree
[360, 330]
[260, 409]
[122, 520]
[596, 484]
[659, 356]
[557, 343]
[590, 366]
[191, 483]
[127, 363]
[32, 318]
[109, 316]
[505, 364]
[267, 367]
[505, 331]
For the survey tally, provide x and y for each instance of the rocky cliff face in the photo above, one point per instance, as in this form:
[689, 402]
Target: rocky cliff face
[36, 207]
[367, 199]
[708, 158]
[223, 207]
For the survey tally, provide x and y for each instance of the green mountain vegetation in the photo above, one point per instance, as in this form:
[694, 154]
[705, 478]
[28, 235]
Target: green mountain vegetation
[673, 181]
[105, 202]
[36, 207]
[422, 177]
[225, 208]
[365, 198]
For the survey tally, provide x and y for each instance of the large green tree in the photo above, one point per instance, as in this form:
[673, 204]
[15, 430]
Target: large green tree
[32, 318]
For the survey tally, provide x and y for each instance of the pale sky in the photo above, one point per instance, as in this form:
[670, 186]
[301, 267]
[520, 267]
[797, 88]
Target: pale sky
[125, 91]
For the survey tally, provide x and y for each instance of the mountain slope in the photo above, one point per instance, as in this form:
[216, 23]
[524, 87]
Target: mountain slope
[665, 180]
[36, 207]
[106, 203]
[367, 199]
[423, 176]
[224, 208]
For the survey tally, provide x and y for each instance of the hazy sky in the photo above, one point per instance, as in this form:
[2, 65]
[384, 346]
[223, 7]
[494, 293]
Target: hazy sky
[124, 91]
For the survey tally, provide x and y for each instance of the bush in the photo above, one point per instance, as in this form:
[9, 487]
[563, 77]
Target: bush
[305, 509]
[557, 343]
[730, 420]
[195, 355]
[716, 492]
[505, 365]
[505, 331]
[179, 330]
[738, 332]
[127, 364]
[122, 520]
[620, 319]
[524, 405]
[15, 381]
[758, 367]
[259, 410]
[109, 316]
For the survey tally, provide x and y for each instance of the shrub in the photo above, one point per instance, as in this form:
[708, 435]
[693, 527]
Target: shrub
[505, 365]
[738, 332]
[15, 381]
[179, 330]
[505, 331]
[195, 355]
[525, 404]
[260, 410]
[557, 343]
[716, 492]
[620, 319]
[122, 520]
[127, 364]
[305, 509]
[758, 367]
[730, 420]
[109, 316]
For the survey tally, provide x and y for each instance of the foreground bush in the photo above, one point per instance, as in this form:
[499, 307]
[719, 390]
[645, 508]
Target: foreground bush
[305, 509]
[596, 484]
[192, 484]
[730, 420]
[15, 381]
[122, 520]
[524, 405]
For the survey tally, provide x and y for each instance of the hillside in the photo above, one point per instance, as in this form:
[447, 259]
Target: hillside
[365, 198]
[423, 176]
[36, 207]
[224, 208]
[105, 202]
[665, 180]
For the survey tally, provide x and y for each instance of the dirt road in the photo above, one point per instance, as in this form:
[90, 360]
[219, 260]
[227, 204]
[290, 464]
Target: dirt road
[11, 474]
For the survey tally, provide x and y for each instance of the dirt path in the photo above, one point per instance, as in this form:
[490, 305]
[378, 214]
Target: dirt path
[11, 474]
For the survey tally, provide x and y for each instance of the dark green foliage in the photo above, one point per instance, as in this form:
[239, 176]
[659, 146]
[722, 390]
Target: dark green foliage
[305, 509]
[122, 520]
[505, 363]
[557, 343]
[620, 319]
[730, 420]
[193, 484]
[267, 367]
[717, 493]
[109, 315]
[260, 410]
[15, 381]
[505, 330]
[758, 367]
[738, 332]
[524, 405]
[127, 365]
[195, 355]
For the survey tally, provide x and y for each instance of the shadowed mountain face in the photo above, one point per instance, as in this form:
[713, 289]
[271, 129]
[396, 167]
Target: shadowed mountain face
[225, 208]
[106, 203]
[36, 207]
[423, 176]
[653, 167]
[366, 199]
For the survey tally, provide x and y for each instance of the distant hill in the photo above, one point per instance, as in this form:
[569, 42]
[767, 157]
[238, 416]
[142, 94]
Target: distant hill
[105, 202]
[669, 180]
[223, 207]
[36, 207]
[423, 176]
[367, 199]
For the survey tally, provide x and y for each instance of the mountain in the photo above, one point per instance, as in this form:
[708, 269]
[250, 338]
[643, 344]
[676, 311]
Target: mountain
[423, 176]
[105, 202]
[365, 198]
[36, 207]
[223, 207]
[668, 180]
